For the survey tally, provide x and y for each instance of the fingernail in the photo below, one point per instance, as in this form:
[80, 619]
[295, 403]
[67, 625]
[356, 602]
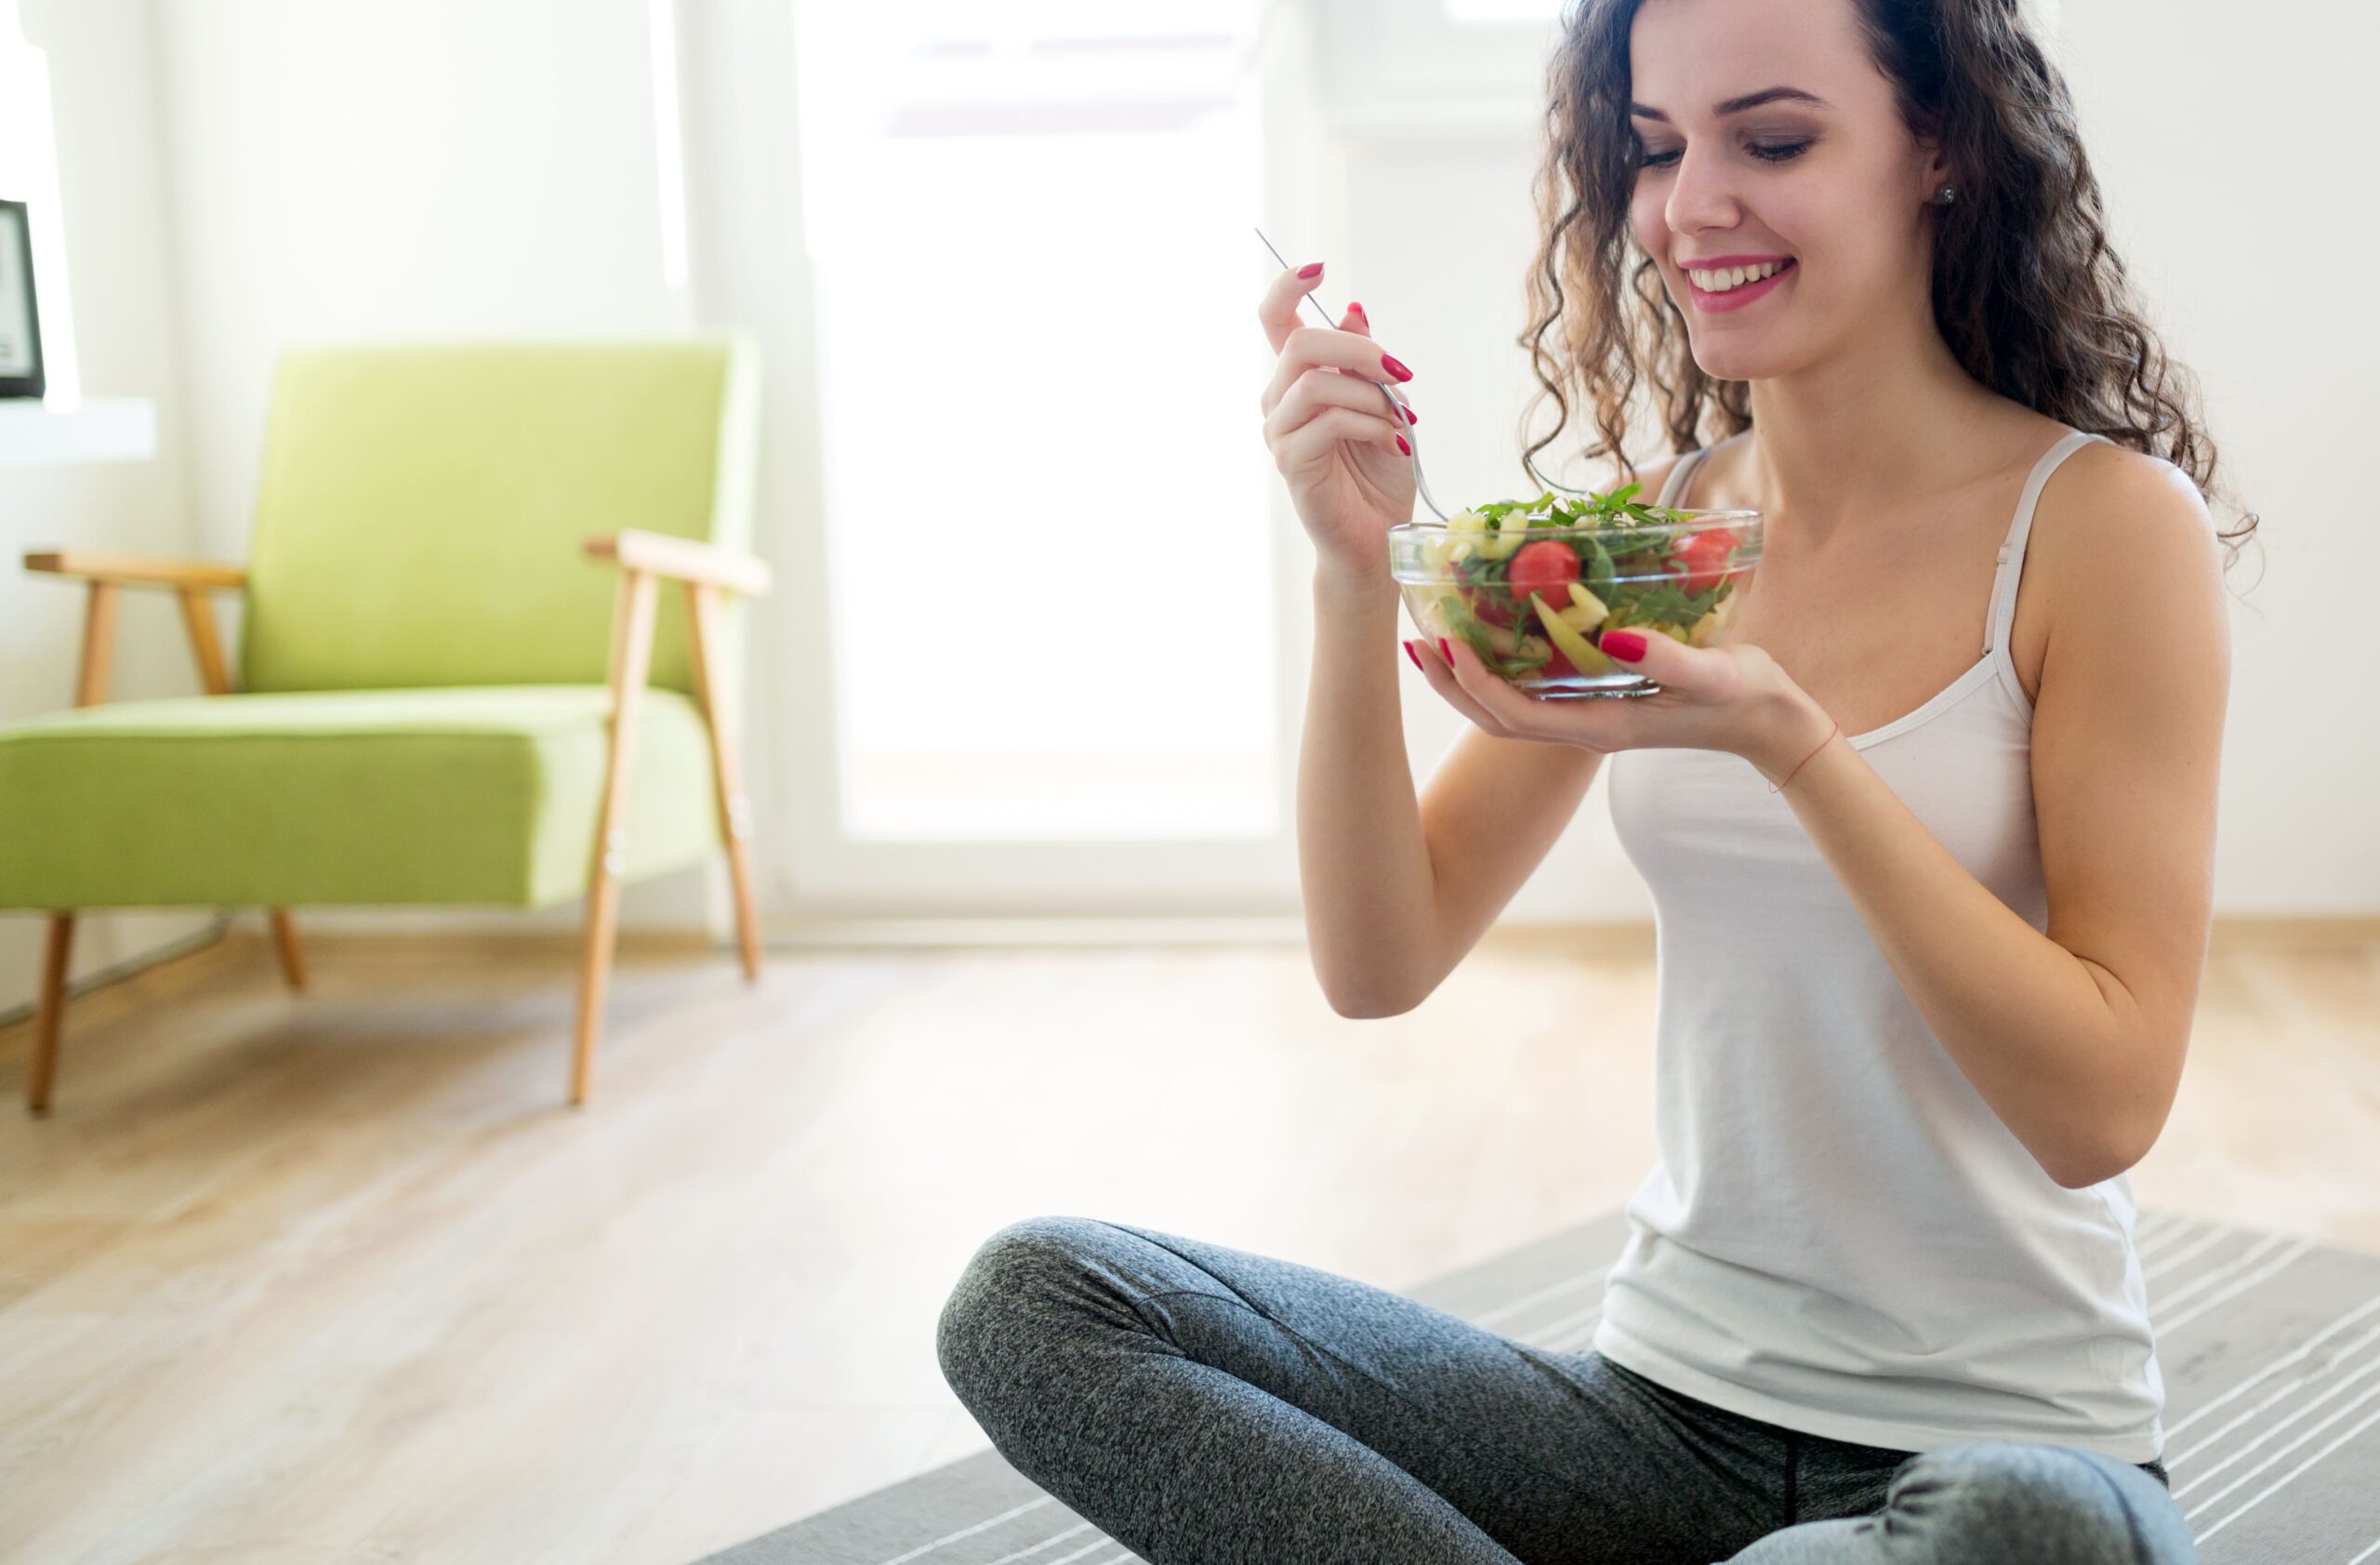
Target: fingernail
[1402, 446]
[1311, 270]
[1409, 652]
[1445, 652]
[1626, 645]
[1411, 416]
[1355, 308]
[1398, 370]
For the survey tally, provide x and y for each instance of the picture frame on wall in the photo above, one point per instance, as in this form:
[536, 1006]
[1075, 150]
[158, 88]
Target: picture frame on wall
[20, 371]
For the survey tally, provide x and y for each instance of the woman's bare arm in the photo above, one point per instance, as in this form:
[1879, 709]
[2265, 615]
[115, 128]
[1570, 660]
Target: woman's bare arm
[1398, 886]
[2075, 1035]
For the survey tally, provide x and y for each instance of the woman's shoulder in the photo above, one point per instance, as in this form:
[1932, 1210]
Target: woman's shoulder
[2115, 515]
[2108, 496]
[1653, 477]
[2099, 472]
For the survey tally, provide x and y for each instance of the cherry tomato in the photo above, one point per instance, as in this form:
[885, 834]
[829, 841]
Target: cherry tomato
[1546, 569]
[1702, 560]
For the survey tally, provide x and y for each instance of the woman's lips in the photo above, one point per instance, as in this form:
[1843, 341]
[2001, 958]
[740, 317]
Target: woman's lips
[1711, 302]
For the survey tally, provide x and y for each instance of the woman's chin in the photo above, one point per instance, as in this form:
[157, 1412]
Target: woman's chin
[1735, 361]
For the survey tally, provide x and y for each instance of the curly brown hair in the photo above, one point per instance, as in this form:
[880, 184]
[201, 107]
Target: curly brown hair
[2028, 292]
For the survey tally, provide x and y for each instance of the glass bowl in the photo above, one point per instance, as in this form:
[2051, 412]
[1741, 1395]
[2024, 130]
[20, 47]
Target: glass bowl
[1532, 586]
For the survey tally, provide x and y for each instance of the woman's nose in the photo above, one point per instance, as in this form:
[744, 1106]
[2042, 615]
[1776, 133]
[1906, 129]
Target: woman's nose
[1700, 195]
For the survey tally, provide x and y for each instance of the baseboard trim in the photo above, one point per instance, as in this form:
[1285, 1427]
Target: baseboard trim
[830, 934]
[1630, 940]
[197, 941]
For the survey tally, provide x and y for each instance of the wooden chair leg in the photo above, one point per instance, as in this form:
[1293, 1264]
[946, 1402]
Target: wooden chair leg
[726, 766]
[99, 644]
[631, 663]
[747, 924]
[293, 951]
[49, 1014]
[594, 976]
[49, 1002]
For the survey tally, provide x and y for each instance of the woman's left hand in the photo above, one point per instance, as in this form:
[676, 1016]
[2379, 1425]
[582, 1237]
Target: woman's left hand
[1735, 698]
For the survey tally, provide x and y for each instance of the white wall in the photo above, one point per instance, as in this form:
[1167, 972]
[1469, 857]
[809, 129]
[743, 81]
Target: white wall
[2227, 203]
[104, 101]
[382, 169]
[397, 168]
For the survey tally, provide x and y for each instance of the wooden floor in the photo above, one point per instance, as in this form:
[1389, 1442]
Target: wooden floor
[335, 1278]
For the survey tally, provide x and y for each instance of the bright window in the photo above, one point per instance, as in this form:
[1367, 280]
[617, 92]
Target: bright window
[1049, 537]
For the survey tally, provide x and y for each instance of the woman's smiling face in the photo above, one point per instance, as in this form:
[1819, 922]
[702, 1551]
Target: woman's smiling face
[1772, 144]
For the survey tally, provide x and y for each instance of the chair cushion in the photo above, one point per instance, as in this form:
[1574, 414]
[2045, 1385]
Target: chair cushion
[421, 505]
[481, 795]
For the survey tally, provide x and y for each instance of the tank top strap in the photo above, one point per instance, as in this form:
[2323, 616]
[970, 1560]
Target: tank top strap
[1680, 475]
[2012, 550]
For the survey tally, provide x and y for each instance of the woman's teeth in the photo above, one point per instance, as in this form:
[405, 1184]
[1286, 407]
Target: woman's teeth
[1720, 281]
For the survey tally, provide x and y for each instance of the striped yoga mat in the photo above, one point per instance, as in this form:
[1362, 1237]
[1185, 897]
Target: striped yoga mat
[2270, 1348]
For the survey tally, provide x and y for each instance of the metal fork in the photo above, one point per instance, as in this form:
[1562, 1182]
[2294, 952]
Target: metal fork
[1412, 441]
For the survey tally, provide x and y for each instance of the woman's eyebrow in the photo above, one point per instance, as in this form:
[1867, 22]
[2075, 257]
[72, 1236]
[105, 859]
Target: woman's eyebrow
[1738, 105]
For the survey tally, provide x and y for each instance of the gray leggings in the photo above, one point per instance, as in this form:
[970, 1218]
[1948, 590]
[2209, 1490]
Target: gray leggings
[1208, 1406]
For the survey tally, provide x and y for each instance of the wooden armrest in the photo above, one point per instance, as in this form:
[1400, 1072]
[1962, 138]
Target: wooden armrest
[683, 559]
[137, 570]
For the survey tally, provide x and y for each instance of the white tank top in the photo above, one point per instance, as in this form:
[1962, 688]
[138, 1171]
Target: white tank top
[1839, 1236]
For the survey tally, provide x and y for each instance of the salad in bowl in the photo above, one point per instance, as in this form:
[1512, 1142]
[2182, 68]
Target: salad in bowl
[1531, 585]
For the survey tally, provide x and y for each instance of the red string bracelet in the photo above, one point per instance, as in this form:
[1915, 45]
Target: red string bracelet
[1780, 787]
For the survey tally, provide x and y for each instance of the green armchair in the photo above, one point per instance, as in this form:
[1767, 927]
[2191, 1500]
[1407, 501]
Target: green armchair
[446, 539]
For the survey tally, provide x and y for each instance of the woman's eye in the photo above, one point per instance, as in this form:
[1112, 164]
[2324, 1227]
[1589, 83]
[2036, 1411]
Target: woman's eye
[1768, 152]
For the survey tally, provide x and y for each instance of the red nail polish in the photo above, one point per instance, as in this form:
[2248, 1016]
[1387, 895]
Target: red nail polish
[1445, 652]
[1411, 416]
[1410, 653]
[1626, 645]
[1402, 446]
[1395, 368]
[1355, 308]
[1311, 270]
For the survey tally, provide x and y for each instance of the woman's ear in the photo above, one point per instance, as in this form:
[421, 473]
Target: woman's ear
[1934, 169]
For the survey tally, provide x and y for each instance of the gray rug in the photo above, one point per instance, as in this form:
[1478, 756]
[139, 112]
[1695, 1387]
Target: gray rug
[2270, 1348]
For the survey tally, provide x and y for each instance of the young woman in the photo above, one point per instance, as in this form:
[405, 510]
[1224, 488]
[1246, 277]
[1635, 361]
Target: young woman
[1930, 858]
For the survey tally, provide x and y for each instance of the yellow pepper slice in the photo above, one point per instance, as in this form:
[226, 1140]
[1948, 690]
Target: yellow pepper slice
[1582, 653]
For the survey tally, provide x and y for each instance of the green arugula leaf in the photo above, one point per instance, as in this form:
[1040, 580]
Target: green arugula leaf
[1599, 570]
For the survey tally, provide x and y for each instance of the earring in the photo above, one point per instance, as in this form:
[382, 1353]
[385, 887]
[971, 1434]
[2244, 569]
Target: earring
[1946, 196]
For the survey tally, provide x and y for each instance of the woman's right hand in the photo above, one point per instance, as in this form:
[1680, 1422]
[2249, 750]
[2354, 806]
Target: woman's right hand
[1332, 436]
